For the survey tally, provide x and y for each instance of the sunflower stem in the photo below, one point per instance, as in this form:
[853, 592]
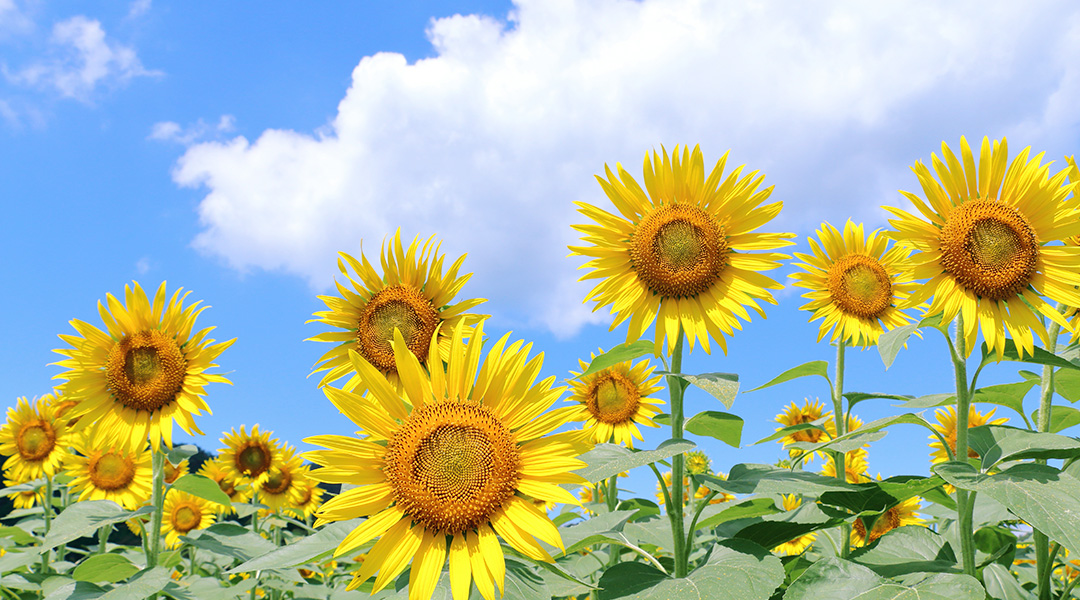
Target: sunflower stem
[675, 509]
[840, 423]
[46, 506]
[1043, 558]
[964, 501]
[103, 538]
[191, 560]
[61, 551]
[255, 512]
[157, 499]
[612, 498]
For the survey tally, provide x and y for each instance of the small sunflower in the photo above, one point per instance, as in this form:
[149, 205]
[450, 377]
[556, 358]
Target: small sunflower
[310, 498]
[283, 486]
[698, 463]
[111, 472]
[854, 466]
[855, 283]
[897, 516]
[946, 426]
[990, 245]
[145, 373]
[229, 483]
[614, 401]
[174, 472]
[793, 414]
[684, 254]
[453, 469]
[184, 513]
[413, 295]
[801, 543]
[35, 440]
[24, 499]
[247, 458]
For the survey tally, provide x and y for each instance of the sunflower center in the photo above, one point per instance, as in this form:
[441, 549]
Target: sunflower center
[172, 472]
[36, 439]
[884, 524]
[186, 517]
[277, 483]
[806, 435]
[253, 460]
[860, 286]
[990, 249]
[678, 250]
[112, 471]
[452, 466]
[612, 398]
[395, 307]
[145, 370]
[306, 497]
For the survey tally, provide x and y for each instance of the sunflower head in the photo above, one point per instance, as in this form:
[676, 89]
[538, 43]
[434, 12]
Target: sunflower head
[184, 513]
[310, 497]
[681, 253]
[111, 472]
[174, 472]
[897, 516]
[991, 247]
[145, 372]
[793, 414]
[454, 464]
[248, 457]
[946, 426]
[698, 463]
[615, 400]
[35, 439]
[283, 484]
[413, 296]
[855, 283]
[25, 498]
[801, 543]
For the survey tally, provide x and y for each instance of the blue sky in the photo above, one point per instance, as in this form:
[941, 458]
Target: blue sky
[233, 148]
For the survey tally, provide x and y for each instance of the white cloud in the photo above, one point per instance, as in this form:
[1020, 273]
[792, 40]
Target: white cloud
[142, 266]
[490, 141]
[138, 8]
[169, 131]
[84, 59]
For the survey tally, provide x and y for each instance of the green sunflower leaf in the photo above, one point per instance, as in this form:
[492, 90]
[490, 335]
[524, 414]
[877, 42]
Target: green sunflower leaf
[203, 487]
[104, 568]
[1039, 356]
[606, 460]
[1061, 418]
[839, 579]
[84, 519]
[621, 353]
[816, 367]
[720, 425]
[998, 443]
[722, 386]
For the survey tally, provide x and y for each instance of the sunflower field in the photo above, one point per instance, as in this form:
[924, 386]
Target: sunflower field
[470, 476]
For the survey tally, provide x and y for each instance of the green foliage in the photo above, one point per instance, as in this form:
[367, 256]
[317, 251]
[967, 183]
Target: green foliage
[722, 386]
[908, 549]
[720, 425]
[84, 519]
[107, 568]
[203, 487]
[999, 443]
[606, 460]
[838, 579]
[621, 353]
[816, 367]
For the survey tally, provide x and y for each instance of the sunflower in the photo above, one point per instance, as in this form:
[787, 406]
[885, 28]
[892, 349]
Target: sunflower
[946, 426]
[247, 458]
[801, 543]
[111, 472]
[854, 466]
[283, 485]
[23, 499]
[990, 247]
[236, 491]
[810, 411]
[897, 516]
[413, 295]
[457, 464]
[174, 472]
[145, 373]
[34, 439]
[698, 463]
[310, 498]
[615, 400]
[60, 404]
[679, 255]
[184, 513]
[720, 497]
[855, 283]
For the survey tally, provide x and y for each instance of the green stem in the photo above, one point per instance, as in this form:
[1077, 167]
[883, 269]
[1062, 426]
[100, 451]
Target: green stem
[964, 501]
[612, 497]
[675, 509]
[103, 538]
[157, 500]
[47, 507]
[1043, 559]
[191, 560]
[61, 551]
[840, 423]
[255, 513]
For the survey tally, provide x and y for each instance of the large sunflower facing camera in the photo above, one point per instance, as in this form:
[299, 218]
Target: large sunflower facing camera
[683, 252]
[443, 476]
[989, 240]
[413, 295]
[145, 372]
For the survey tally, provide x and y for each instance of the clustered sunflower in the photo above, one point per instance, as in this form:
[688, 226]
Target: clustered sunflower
[614, 401]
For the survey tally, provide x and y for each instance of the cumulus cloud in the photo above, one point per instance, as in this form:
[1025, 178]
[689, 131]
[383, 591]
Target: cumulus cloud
[170, 131]
[488, 142]
[84, 58]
